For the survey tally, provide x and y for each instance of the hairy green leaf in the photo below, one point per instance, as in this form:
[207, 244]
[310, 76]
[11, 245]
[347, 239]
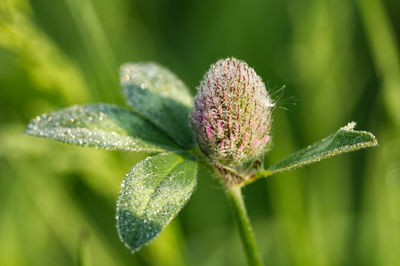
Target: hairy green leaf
[102, 126]
[346, 139]
[162, 98]
[152, 194]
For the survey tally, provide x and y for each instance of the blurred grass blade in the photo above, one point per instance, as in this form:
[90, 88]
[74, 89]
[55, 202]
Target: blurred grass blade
[98, 46]
[346, 139]
[157, 94]
[152, 194]
[63, 217]
[83, 256]
[102, 126]
[385, 51]
[47, 64]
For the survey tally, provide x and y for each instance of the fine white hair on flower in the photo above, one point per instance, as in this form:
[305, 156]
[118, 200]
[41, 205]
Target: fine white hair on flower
[232, 112]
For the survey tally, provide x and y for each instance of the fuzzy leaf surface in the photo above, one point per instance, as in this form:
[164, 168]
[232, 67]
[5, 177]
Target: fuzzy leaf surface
[162, 98]
[346, 139]
[103, 126]
[152, 194]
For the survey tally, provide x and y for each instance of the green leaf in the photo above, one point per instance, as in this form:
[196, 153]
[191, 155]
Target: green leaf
[162, 98]
[102, 126]
[152, 194]
[346, 139]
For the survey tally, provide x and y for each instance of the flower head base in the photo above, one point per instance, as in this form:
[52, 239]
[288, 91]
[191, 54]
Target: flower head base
[232, 113]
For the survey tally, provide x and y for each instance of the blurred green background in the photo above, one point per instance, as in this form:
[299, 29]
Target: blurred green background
[339, 60]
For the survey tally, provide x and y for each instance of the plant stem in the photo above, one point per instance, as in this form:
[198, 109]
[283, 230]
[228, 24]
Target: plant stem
[234, 195]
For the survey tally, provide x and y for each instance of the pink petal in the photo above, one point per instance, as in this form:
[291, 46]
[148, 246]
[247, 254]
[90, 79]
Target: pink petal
[241, 147]
[256, 143]
[245, 136]
[219, 125]
[222, 145]
[209, 132]
[265, 139]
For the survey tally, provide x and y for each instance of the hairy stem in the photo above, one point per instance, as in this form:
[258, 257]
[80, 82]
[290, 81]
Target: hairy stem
[234, 195]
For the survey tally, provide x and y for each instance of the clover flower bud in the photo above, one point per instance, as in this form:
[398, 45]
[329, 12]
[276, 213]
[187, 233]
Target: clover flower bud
[232, 113]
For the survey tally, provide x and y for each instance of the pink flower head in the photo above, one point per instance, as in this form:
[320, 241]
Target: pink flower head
[240, 109]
